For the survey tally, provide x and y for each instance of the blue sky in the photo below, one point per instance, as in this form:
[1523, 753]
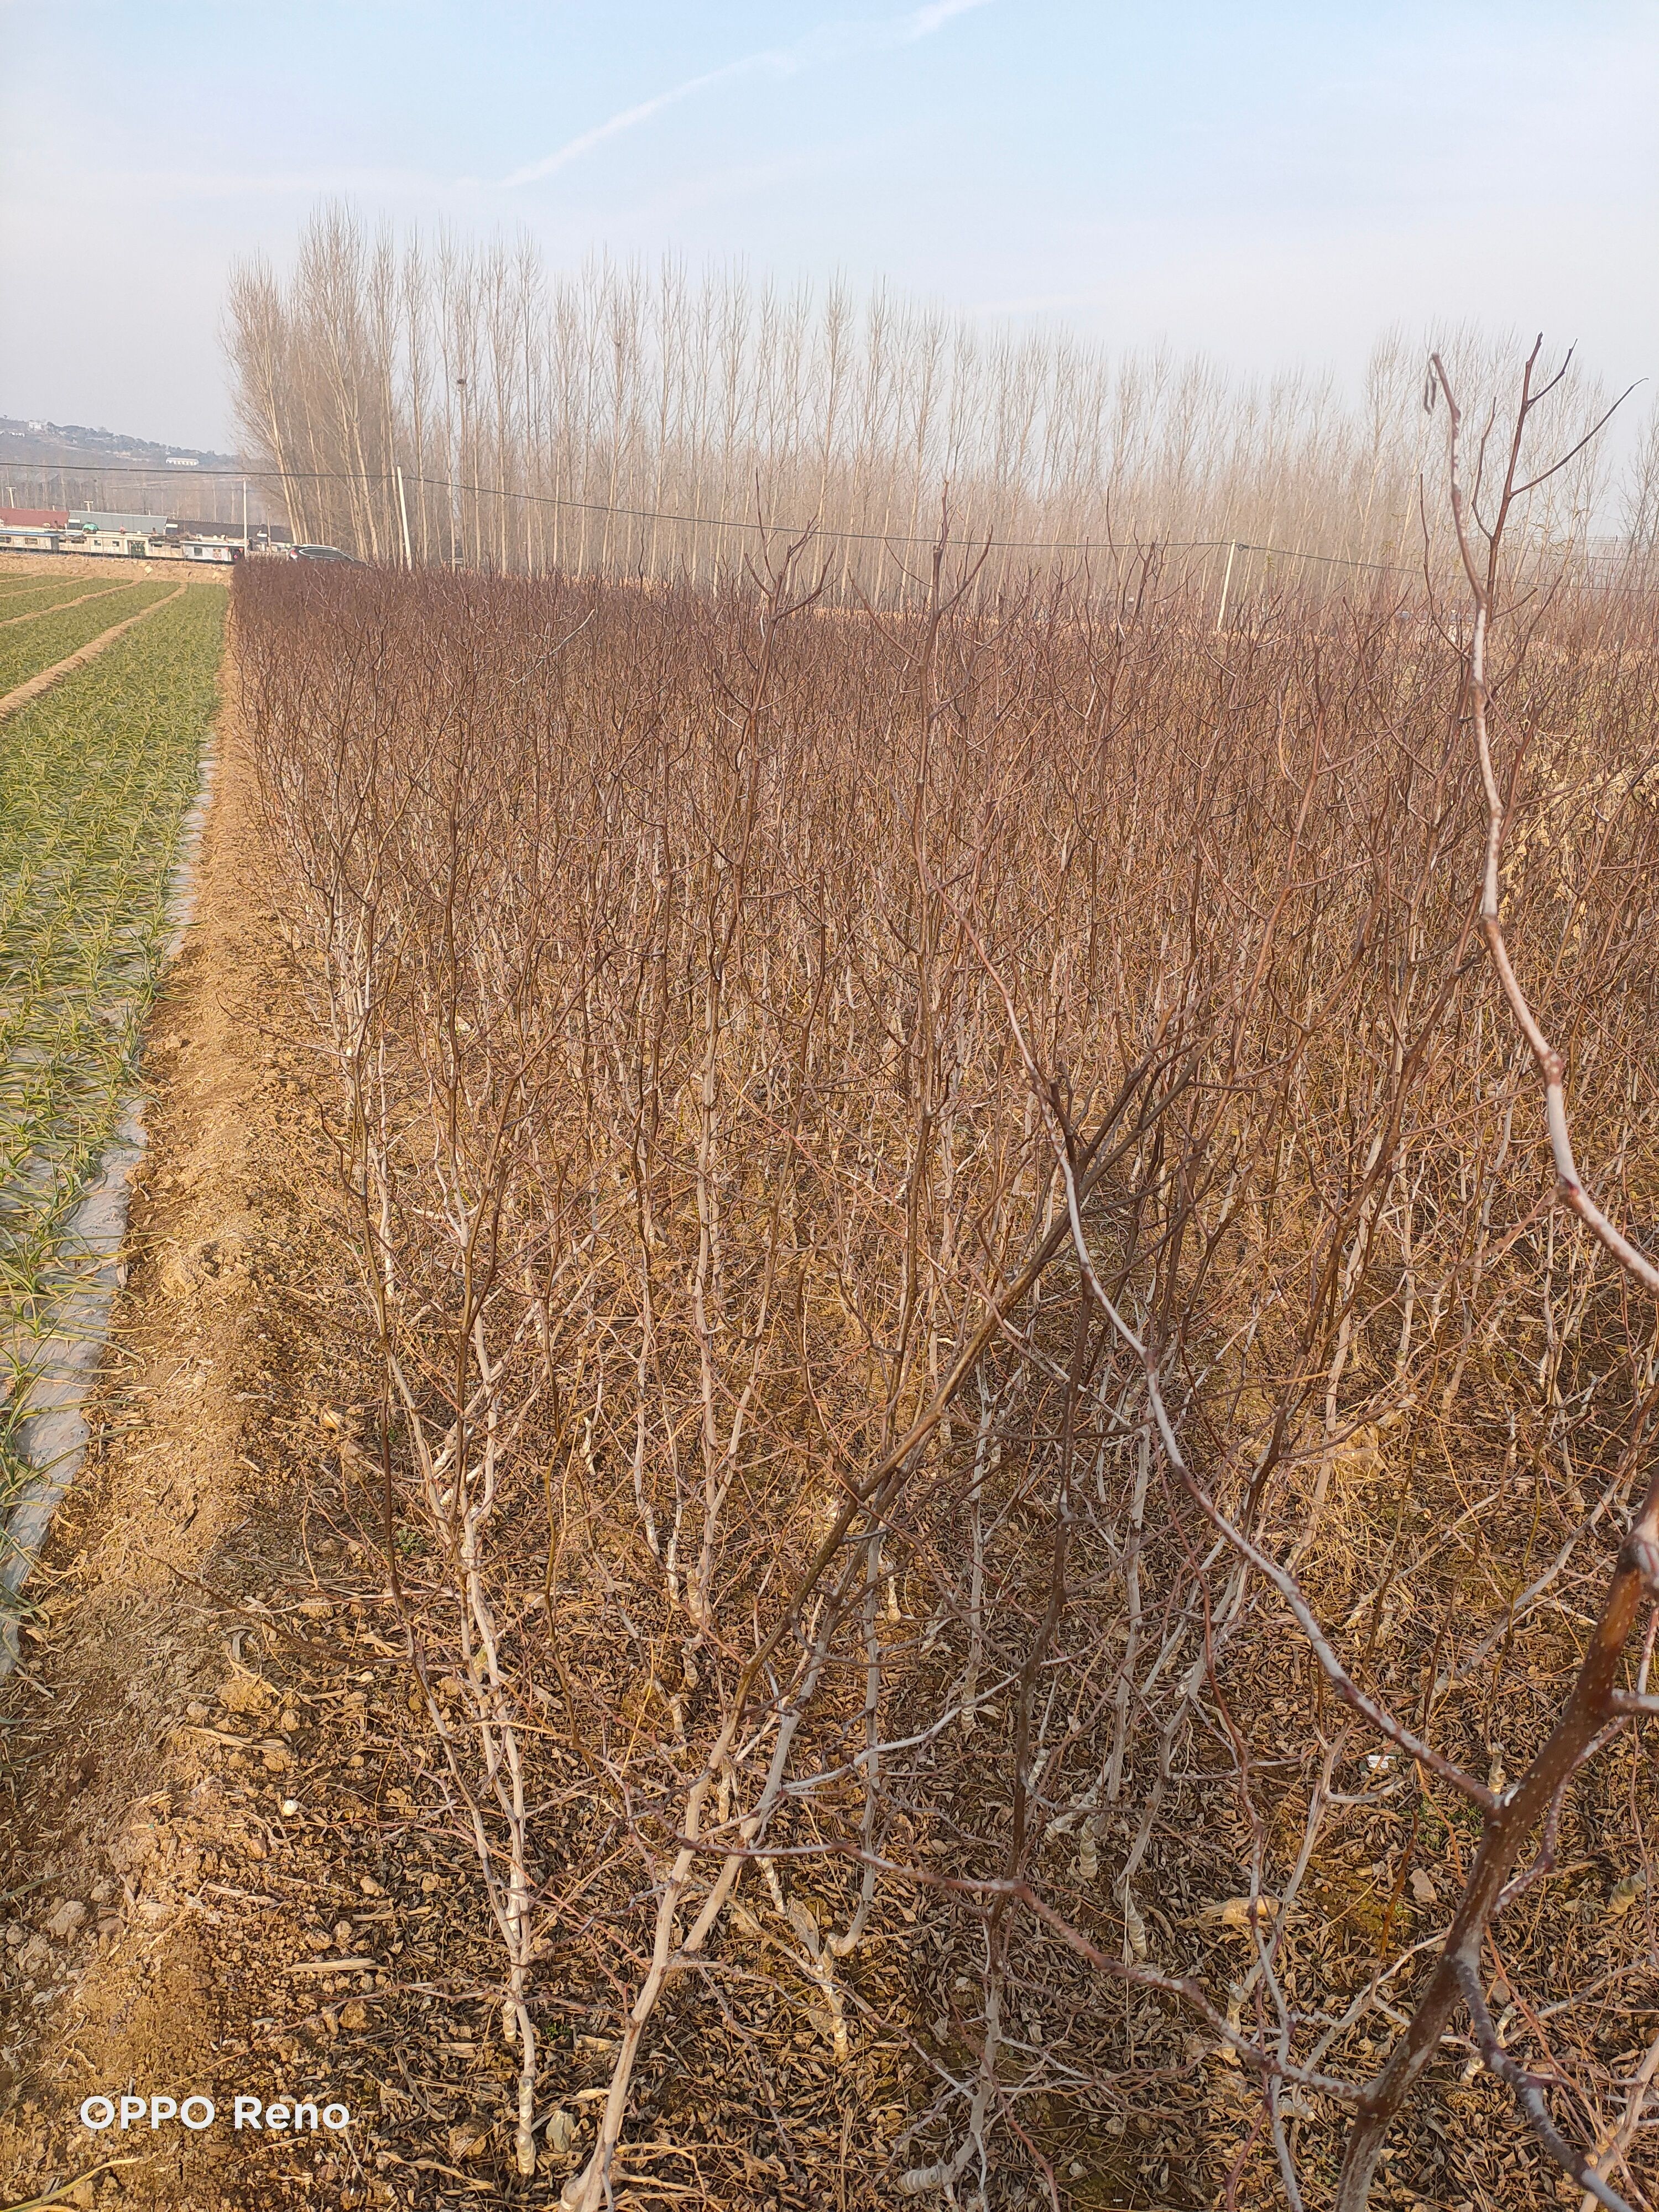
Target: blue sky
[1272, 184]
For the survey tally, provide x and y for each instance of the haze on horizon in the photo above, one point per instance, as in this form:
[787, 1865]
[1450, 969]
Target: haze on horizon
[1273, 187]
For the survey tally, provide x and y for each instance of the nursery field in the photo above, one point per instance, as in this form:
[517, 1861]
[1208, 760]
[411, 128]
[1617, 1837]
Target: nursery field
[96, 776]
[868, 1445]
[989, 1451]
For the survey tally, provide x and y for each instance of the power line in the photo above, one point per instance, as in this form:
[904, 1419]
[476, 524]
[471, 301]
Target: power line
[1080, 545]
[726, 522]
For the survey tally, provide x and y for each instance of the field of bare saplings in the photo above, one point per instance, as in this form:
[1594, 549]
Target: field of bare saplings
[1007, 1479]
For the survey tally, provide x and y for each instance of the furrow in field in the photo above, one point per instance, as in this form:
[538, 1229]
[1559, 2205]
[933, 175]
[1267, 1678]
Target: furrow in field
[34, 614]
[50, 593]
[40, 647]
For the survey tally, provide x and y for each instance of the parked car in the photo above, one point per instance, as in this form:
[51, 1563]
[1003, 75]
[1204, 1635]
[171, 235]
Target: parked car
[325, 553]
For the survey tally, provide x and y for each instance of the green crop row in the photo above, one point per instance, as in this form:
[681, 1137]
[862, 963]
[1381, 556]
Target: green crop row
[16, 598]
[25, 606]
[40, 577]
[33, 646]
[96, 778]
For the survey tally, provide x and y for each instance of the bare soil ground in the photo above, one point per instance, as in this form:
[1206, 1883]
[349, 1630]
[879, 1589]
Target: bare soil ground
[17, 568]
[200, 1818]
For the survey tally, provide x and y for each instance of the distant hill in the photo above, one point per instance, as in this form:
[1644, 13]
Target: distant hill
[45, 463]
[60, 443]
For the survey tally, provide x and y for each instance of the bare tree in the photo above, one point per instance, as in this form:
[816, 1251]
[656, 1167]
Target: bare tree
[991, 1445]
[661, 426]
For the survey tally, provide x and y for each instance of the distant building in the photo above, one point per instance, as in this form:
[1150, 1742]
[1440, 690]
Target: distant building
[100, 529]
[93, 519]
[183, 461]
[106, 541]
[258, 533]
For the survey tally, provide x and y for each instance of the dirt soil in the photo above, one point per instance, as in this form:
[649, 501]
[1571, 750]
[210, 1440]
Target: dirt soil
[45, 568]
[211, 1885]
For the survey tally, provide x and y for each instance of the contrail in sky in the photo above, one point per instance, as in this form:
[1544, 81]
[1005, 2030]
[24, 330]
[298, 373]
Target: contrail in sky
[832, 42]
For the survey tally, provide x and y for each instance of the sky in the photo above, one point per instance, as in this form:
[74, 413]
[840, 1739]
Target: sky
[1271, 183]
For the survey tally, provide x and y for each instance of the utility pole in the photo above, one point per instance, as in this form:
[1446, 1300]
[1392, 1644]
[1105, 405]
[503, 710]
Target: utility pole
[1227, 577]
[245, 518]
[402, 516]
[458, 512]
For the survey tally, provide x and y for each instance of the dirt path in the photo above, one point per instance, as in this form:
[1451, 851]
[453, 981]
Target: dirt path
[47, 676]
[165, 1912]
